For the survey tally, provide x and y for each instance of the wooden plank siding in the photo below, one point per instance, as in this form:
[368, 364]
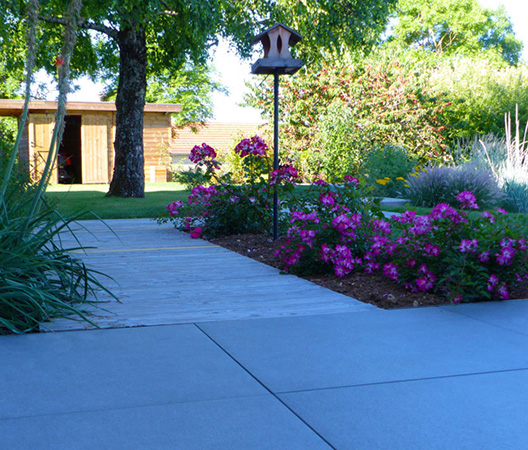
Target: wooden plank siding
[40, 132]
[95, 131]
[97, 137]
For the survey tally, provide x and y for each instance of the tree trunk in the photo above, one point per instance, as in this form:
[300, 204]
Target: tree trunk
[128, 179]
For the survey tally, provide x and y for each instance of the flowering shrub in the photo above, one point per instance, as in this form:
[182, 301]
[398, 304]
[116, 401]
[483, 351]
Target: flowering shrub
[225, 207]
[464, 257]
[326, 231]
[204, 156]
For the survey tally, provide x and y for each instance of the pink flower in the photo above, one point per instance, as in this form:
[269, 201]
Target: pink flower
[467, 200]
[423, 284]
[489, 216]
[283, 174]
[327, 199]
[195, 234]
[371, 267]
[420, 226]
[174, 207]
[505, 257]
[502, 211]
[468, 246]
[406, 217]
[484, 256]
[351, 179]
[200, 153]
[253, 146]
[391, 271]
[320, 182]
[457, 298]
[492, 282]
[503, 292]
[381, 226]
[431, 250]
[325, 253]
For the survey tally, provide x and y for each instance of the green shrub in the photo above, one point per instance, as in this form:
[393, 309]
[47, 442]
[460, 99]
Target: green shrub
[332, 117]
[387, 170]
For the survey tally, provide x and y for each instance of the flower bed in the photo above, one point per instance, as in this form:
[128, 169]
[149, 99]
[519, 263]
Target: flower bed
[337, 229]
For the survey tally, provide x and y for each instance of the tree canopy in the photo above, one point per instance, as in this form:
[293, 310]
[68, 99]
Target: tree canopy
[455, 27]
[139, 39]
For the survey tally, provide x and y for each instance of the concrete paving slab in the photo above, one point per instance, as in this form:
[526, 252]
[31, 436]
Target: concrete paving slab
[315, 352]
[509, 315]
[255, 423]
[59, 373]
[468, 412]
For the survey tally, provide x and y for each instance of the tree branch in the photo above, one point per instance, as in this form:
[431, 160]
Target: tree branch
[84, 24]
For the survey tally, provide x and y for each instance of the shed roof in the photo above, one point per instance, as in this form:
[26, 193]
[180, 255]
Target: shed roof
[15, 107]
[219, 135]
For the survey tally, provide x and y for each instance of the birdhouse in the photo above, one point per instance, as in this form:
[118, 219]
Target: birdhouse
[277, 41]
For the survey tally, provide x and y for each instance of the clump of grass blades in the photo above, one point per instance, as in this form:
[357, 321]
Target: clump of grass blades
[432, 185]
[39, 278]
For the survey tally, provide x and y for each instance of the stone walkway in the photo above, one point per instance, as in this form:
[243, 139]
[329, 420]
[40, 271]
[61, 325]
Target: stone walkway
[163, 277]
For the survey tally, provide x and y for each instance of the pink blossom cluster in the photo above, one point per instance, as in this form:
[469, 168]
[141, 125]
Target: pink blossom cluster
[284, 174]
[467, 200]
[174, 207]
[341, 257]
[351, 179]
[347, 225]
[202, 195]
[434, 239]
[253, 146]
[202, 153]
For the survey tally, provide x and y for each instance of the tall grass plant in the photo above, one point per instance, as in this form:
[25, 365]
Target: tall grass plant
[39, 278]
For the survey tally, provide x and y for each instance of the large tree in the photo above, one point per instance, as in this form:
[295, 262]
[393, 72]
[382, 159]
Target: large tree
[451, 27]
[139, 38]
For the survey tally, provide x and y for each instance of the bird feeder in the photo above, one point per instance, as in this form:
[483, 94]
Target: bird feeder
[277, 41]
[277, 60]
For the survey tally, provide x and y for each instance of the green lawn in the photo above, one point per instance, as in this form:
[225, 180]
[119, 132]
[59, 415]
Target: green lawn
[74, 199]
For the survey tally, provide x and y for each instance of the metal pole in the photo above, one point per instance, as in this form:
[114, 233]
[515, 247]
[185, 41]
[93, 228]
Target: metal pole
[275, 152]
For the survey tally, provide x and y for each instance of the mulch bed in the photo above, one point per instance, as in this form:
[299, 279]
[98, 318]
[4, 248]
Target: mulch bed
[369, 288]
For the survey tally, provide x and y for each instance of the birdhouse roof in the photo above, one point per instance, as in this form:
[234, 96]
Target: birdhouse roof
[294, 38]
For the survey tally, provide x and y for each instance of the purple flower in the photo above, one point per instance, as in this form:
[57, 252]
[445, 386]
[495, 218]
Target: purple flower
[503, 292]
[467, 200]
[381, 226]
[504, 258]
[431, 250]
[351, 179]
[484, 256]
[327, 199]
[468, 245]
[406, 217]
[254, 146]
[423, 284]
[173, 208]
[391, 271]
[489, 216]
[420, 226]
[492, 282]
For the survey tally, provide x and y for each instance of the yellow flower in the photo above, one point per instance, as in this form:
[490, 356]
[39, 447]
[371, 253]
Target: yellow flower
[383, 181]
[406, 185]
[401, 179]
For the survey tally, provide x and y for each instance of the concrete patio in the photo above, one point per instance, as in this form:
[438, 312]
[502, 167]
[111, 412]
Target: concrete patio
[303, 376]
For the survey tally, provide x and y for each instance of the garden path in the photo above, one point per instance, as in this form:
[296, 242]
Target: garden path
[162, 277]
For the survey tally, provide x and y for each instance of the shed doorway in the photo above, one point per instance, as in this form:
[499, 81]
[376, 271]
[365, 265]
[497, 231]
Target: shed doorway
[70, 157]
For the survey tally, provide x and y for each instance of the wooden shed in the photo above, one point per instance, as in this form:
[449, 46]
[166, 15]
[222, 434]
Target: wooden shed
[86, 154]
